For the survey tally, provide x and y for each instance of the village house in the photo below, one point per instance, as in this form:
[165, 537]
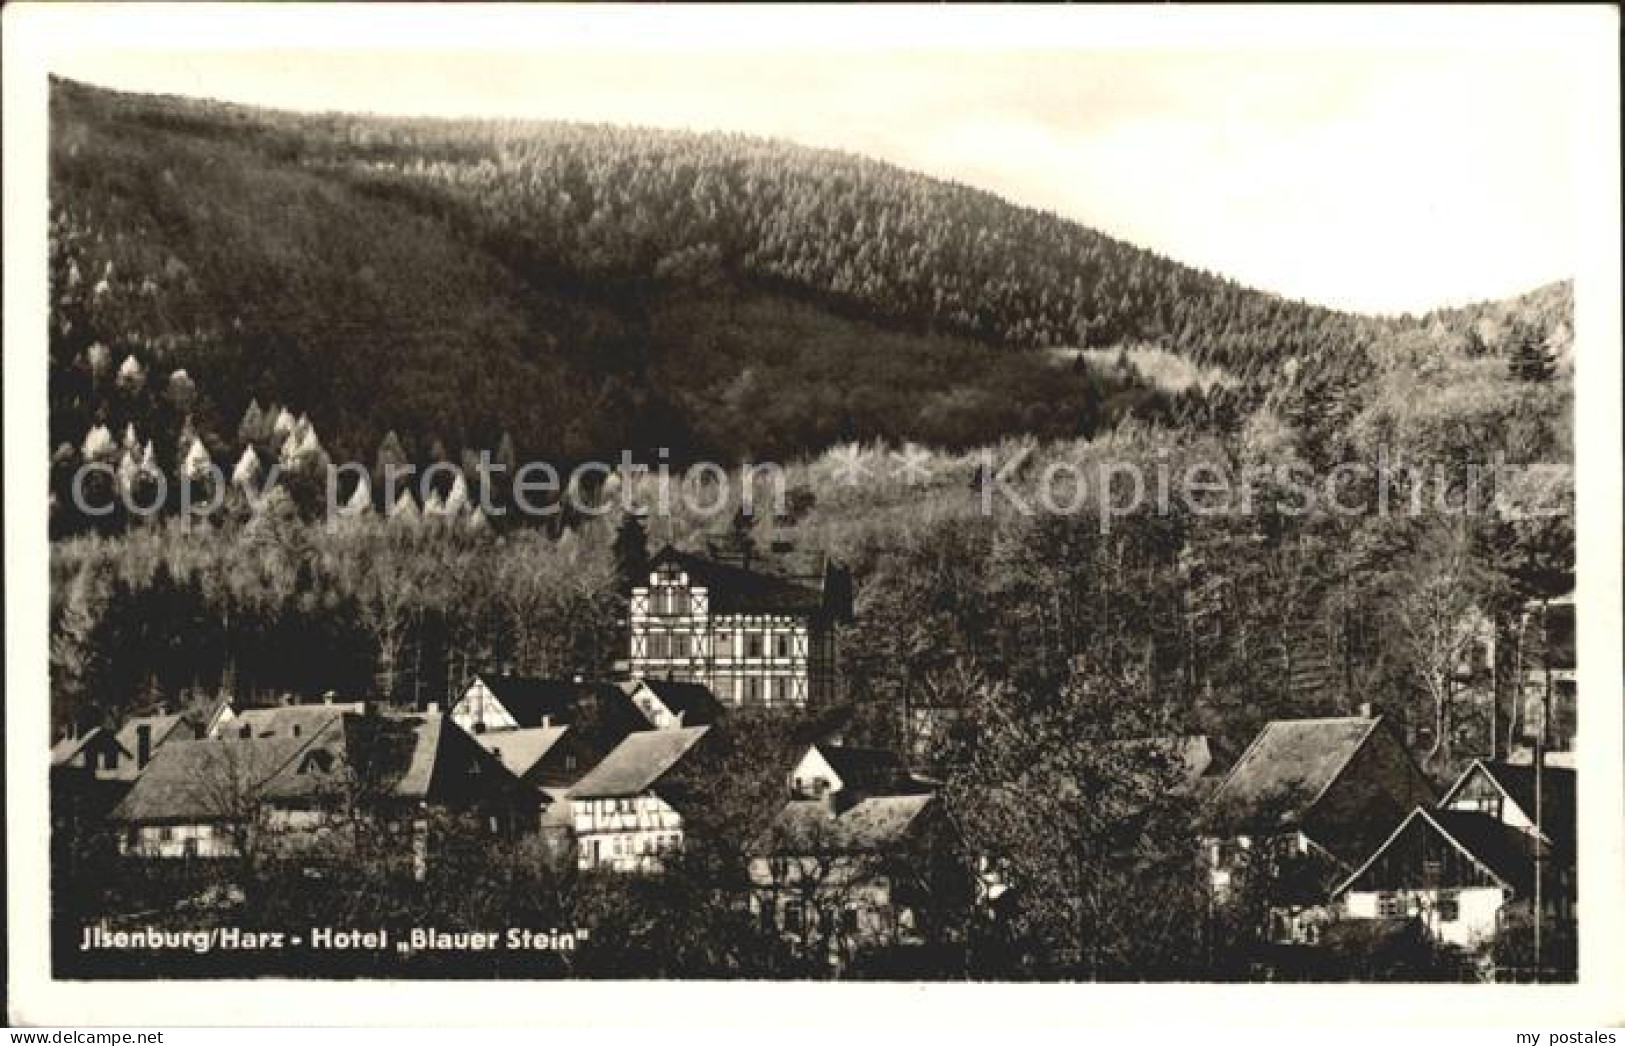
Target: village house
[199, 798]
[1304, 804]
[627, 812]
[402, 777]
[756, 630]
[92, 770]
[847, 872]
[287, 720]
[1466, 867]
[406, 776]
[602, 714]
[826, 769]
[95, 752]
[141, 737]
[541, 756]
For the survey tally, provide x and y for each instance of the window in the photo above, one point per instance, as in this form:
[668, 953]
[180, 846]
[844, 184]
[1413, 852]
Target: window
[753, 645]
[1449, 906]
[189, 848]
[753, 691]
[664, 645]
[1388, 906]
[793, 916]
[781, 690]
[781, 645]
[1432, 869]
[166, 834]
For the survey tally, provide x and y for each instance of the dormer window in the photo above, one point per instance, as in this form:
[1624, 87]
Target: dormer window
[319, 761]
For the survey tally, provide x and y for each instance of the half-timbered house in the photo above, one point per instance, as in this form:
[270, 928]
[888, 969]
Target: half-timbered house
[628, 811]
[757, 631]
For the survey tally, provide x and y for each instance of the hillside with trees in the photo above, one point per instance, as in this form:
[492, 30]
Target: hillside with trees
[239, 288]
[582, 289]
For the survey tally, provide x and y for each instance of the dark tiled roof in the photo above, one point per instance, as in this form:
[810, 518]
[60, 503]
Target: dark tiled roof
[876, 825]
[286, 720]
[394, 756]
[1558, 801]
[533, 701]
[693, 701]
[198, 781]
[870, 771]
[1501, 850]
[638, 763]
[164, 728]
[520, 750]
[734, 589]
[1278, 780]
[67, 749]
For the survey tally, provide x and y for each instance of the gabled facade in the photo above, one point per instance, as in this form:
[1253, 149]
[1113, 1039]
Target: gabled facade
[601, 713]
[1464, 867]
[1304, 804]
[846, 872]
[756, 632]
[200, 798]
[143, 736]
[543, 756]
[1455, 871]
[96, 753]
[298, 795]
[826, 769]
[627, 813]
[410, 776]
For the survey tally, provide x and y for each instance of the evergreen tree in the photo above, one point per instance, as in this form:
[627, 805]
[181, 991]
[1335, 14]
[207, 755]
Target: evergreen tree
[1531, 360]
[631, 551]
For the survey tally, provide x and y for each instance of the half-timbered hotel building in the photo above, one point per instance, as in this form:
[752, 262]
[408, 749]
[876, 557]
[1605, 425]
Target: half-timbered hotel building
[756, 631]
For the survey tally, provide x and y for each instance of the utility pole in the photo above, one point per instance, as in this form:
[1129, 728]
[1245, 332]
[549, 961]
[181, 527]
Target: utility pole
[1540, 773]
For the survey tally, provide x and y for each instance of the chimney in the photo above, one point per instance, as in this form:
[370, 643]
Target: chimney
[1368, 710]
[143, 744]
[433, 708]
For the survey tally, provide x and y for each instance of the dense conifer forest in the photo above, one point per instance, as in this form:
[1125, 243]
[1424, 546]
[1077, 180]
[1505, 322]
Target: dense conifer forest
[242, 288]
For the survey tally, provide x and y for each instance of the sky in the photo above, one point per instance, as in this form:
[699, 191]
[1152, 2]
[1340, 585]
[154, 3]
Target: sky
[1374, 180]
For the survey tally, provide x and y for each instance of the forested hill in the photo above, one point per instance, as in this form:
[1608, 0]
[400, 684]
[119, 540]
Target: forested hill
[583, 288]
